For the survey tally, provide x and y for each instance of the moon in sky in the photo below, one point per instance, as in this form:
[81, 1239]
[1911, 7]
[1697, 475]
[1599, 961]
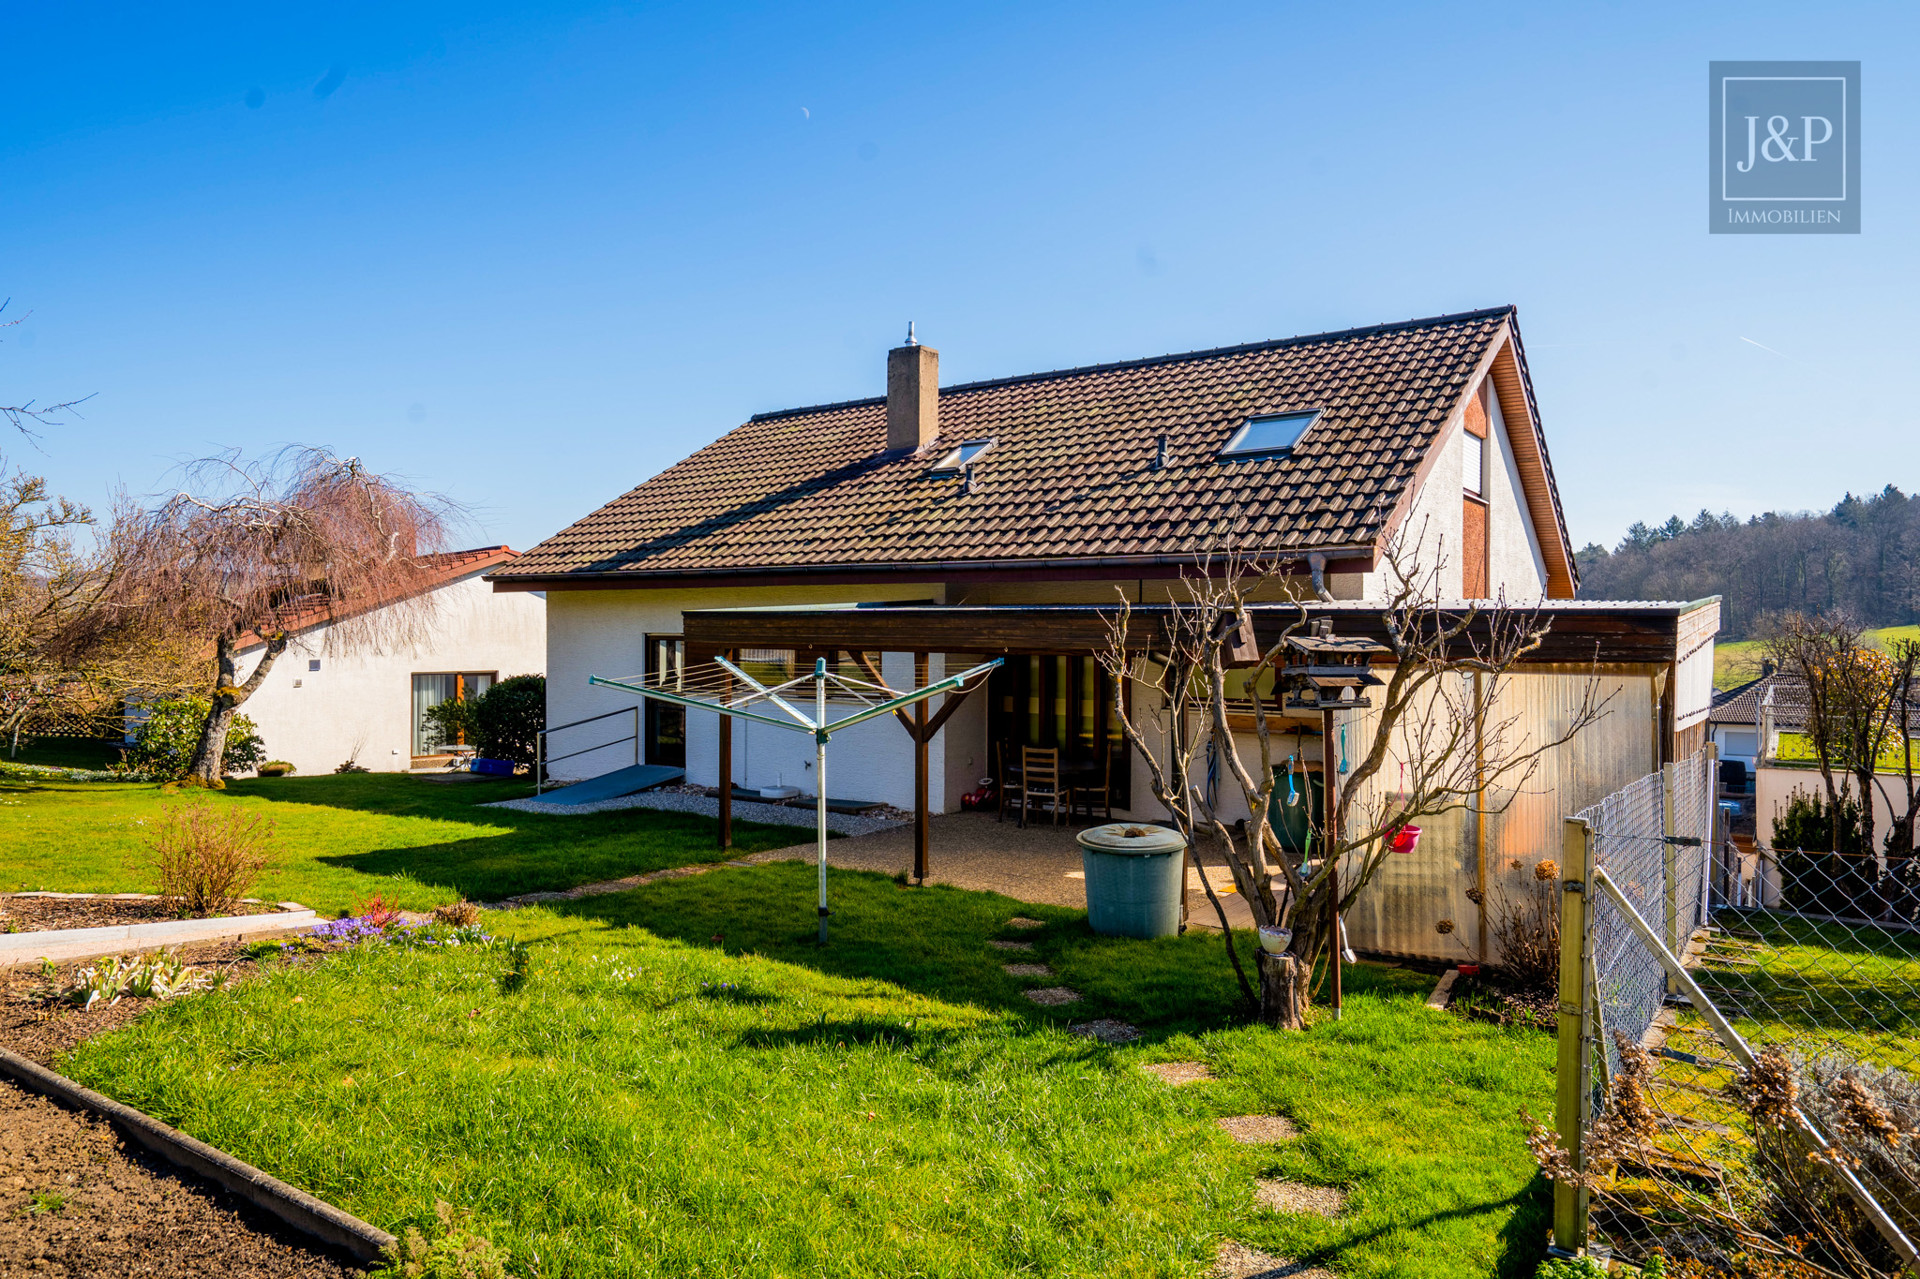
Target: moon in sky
[806, 113]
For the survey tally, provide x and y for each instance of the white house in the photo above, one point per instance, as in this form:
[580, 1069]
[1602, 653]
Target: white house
[935, 527]
[319, 708]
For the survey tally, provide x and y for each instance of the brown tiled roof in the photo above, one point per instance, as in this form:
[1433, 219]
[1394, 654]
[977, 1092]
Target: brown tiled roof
[1070, 475]
[1741, 704]
[445, 568]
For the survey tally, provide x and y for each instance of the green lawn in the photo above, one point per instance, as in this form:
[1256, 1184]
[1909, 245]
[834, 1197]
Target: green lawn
[686, 1085]
[1738, 662]
[343, 838]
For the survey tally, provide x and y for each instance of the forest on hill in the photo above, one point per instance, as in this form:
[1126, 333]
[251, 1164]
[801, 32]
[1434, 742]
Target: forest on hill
[1861, 558]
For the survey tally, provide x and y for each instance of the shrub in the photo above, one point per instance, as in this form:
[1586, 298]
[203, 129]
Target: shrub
[275, 768]
[163, 745]
[1812, 879]
[454, 720]
[510, 716]
[351, 766]
[204, 859]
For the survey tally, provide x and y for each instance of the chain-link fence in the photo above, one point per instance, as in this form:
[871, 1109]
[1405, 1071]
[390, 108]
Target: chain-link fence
[1740, 1043]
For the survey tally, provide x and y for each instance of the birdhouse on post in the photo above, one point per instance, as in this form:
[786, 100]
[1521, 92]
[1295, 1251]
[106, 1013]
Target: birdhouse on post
[1320, 671]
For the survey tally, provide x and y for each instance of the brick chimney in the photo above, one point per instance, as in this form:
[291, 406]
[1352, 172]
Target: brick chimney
[913, 395]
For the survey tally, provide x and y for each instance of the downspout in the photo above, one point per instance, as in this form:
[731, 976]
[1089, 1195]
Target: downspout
[1317, 566]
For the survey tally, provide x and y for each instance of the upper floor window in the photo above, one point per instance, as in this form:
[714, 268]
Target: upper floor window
[1270, 436]
[1473, 463]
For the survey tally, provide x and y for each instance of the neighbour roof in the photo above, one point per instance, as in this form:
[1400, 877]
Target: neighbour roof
[1741, 704]
[1071, 474]
[445, 569]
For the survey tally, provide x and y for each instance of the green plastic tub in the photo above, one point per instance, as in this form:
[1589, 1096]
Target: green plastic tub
[1135, 877]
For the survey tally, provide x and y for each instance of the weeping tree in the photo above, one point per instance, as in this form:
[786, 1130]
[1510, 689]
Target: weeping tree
[1439, 744]
[247, 554]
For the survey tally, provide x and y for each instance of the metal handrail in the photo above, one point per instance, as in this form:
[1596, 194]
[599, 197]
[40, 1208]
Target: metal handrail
[540, 759]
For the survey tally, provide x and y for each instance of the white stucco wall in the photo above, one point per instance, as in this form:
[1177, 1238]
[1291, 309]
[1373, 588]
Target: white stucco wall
[1516, 565]
[360, 705]
[604, 633]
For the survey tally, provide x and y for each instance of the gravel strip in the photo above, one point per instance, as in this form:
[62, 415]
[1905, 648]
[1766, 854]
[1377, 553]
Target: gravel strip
[707, 806]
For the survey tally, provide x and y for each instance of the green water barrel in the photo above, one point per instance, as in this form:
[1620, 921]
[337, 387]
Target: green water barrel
[1135, 877]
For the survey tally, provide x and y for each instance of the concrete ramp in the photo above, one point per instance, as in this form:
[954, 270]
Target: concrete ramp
[621, 781]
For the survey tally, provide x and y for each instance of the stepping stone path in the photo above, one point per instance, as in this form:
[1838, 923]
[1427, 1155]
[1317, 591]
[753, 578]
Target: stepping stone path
[1021, 921]
[1106, 1030]
[1053, 996]
[1258, 1130]
[1237, 1261]
[1027, 970]
[1179, 1072]
[1011, 945]
[1291, 1196]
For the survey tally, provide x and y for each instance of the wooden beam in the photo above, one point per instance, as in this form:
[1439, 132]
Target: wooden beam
[1577, 636]
[865, 663]
[948, 707]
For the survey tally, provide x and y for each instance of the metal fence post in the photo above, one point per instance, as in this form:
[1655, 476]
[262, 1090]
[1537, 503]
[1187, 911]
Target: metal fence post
[1670, 860]
[1571, 1099]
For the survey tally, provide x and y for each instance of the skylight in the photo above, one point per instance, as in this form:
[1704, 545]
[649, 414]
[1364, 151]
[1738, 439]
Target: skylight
[956, 461]
[1269, 436]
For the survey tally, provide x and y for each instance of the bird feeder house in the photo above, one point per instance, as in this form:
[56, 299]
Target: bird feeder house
[1320, 671]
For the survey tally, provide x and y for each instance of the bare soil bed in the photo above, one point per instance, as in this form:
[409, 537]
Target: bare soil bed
[77, 1200]
[26, 913]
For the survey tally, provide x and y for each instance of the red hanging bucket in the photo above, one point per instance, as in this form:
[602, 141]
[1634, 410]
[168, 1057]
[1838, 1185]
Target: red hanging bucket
[1403, 839]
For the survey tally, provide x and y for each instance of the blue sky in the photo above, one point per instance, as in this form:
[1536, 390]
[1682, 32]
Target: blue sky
[530, 255]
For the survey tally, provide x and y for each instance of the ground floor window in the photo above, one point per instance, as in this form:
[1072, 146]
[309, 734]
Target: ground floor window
[431, 690]
[666, 728]
[1065, 703]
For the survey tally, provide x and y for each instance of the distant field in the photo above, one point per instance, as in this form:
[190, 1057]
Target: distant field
[1739, 662]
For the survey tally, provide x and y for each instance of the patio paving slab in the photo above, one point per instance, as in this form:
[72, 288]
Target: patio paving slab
[1237, 1261]
[1180, 1072]
[1292, 1196]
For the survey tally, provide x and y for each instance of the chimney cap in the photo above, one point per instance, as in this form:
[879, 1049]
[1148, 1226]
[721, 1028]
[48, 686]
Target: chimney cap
[911, 340]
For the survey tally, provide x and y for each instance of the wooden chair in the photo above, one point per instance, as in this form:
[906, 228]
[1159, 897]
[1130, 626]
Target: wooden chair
[1009, 785]
[1040, 780]
[1089, 798]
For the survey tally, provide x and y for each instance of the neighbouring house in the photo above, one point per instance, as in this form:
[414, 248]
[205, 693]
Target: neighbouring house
[926, 529]
[319, 708]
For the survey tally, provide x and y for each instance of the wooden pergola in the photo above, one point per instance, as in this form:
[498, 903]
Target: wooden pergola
[1604, 638]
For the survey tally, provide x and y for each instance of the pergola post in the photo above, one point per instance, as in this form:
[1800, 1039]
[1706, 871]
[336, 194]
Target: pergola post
[921, 831]
[726, 780]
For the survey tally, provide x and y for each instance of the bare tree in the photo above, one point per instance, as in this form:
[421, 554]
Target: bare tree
[1843, 691]
[251, 553]
[1903, 696]
[47, 585]
[1438, 737]
[24, 417]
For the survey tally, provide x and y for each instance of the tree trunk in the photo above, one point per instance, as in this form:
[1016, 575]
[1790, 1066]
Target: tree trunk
[208, 768]
[1283, 991]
